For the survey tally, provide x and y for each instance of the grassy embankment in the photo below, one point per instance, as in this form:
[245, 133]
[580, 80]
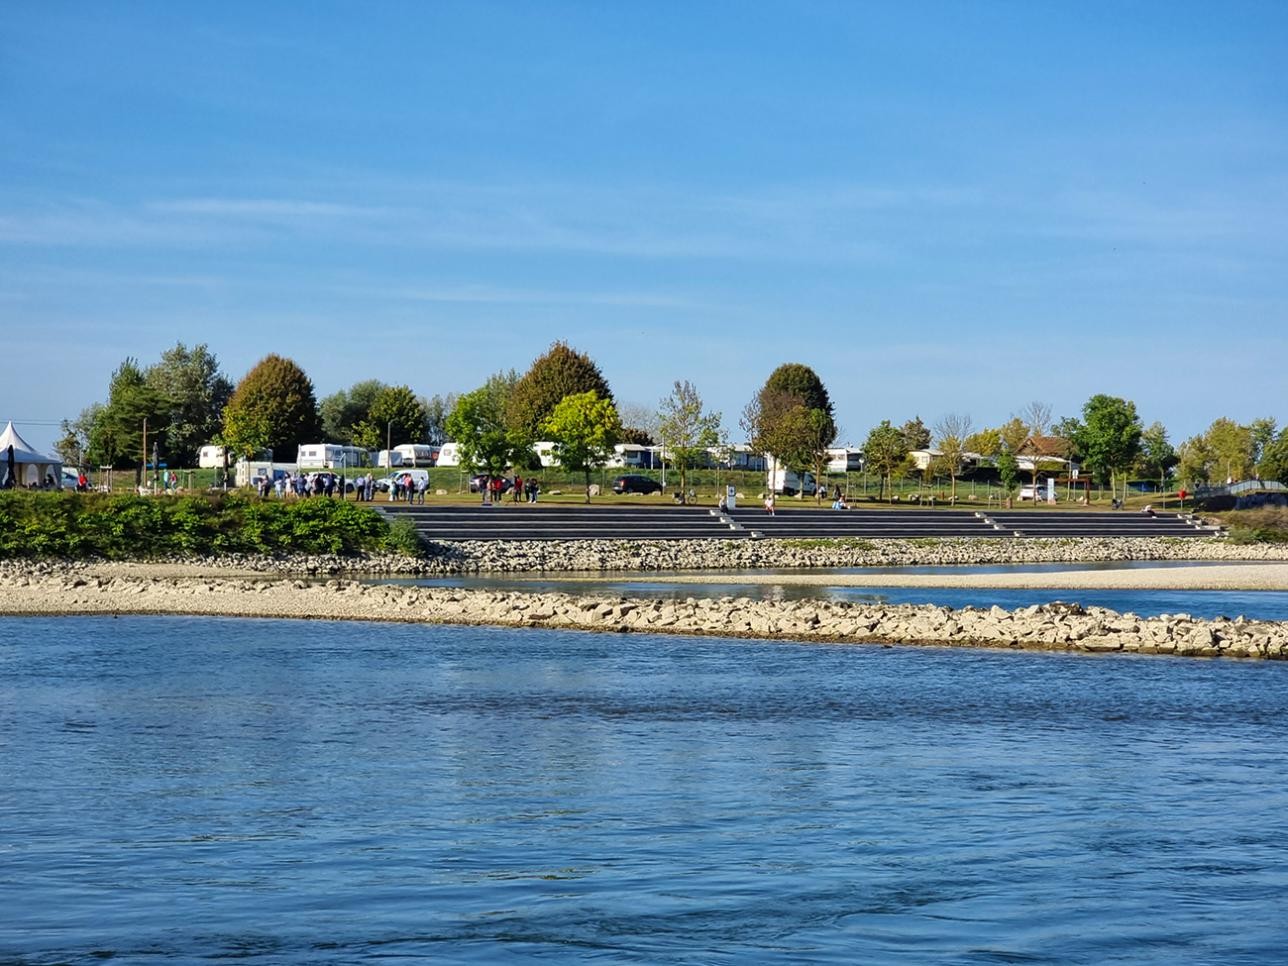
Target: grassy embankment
[118, 526]
[561, 487]
[1268, 525]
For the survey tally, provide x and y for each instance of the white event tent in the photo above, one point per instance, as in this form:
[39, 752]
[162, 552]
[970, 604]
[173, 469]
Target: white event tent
[30, 468]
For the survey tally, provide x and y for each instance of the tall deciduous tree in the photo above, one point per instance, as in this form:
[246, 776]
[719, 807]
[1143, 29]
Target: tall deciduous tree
[198, 391]
[560, 372]
[1196, 460]
[279, 390]
[686, 429]
[477, 425]
[437, 408]
[1273, 464]
[1013, 432]
[133, 419]
[1231, 447]
[987, 442]
[885, 451]
[951, 434]
[395, 417]
[1036, 417]
[1109, 440]
[799, 380]
[1157, 456]
[584, 429]
[342, 411]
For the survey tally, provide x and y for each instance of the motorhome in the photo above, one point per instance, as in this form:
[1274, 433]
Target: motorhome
[330, 456]
[842, 459]
[416, 454]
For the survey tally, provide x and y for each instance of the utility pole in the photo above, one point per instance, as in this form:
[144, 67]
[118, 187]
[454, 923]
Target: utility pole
[143, 468]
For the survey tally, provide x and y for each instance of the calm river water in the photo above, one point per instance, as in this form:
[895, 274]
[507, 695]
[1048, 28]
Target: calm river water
[288, 792]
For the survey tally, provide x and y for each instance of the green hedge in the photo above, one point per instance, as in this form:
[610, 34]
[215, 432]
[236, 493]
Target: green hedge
[119, 526]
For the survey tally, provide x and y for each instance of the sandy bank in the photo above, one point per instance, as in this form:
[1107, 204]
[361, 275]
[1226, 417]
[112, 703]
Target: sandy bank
[1050, 627]
[1265, 576]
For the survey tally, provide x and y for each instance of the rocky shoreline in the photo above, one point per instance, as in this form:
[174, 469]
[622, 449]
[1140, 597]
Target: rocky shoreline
[617, 556]
[51, 589]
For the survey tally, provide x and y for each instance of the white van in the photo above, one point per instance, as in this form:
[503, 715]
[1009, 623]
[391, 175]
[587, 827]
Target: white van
[416, 454]
[416, 477]
[789, 482]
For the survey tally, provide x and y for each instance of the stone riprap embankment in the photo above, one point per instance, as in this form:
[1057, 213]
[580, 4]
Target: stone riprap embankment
[1049, 627]
[612, 556]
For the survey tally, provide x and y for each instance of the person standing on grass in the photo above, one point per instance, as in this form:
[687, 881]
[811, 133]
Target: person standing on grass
[518, 487]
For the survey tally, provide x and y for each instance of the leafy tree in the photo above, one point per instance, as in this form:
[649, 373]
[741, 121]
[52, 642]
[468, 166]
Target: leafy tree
[1110, 437]
[437, 408]
[1231, 447]
[584, 429]
[915, 434]
[987, 442]
[1262, 432]
[245, 431]
[1013, 433]
[884, 452]
[477, 425]
[73, 445]
[562, 371]
[134, 417]
[1069, 429]
[395, 417]
[1008, 470]
[951, 434]
[1196, 460]
[799, 380]
[342, 411]
[197, 390]
[278, 389]
[686, 429]
[1273, 464]
[1157, 457]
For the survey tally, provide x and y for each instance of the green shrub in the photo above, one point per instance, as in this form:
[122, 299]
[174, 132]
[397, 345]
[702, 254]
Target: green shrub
[34, 525]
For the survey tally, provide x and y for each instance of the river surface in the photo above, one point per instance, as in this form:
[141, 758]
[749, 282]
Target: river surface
[1266, 605]
[191, 789]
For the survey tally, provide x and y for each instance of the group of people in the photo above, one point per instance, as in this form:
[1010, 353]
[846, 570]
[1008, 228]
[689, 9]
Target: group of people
[404, 488]
[494, 489]
[298, 484]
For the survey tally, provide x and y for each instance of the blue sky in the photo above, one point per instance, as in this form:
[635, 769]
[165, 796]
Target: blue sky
[956, 207]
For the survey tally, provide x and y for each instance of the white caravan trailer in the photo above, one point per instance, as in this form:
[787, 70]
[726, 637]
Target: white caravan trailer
[210, 457]
[416, 454]
[330, 456]
[448, 455]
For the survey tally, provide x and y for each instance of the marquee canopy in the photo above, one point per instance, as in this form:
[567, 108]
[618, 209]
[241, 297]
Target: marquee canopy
[31, 468]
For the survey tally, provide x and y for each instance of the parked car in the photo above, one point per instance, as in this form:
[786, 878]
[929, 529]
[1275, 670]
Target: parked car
[636, 484]
[478, 482]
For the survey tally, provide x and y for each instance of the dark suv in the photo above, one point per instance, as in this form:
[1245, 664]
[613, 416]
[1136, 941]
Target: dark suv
[636, 484]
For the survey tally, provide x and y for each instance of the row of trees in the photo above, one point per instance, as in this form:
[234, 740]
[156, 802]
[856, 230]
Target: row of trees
[184, 401]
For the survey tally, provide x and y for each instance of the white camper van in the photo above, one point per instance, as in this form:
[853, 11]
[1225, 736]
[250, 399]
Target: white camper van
[448, 455]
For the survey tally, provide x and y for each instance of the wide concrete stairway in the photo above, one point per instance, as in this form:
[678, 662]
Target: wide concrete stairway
[511, 521]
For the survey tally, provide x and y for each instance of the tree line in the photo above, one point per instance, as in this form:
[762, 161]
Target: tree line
[184, 401]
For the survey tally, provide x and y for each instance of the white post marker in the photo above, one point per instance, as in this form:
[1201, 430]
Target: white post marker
[731, 497]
